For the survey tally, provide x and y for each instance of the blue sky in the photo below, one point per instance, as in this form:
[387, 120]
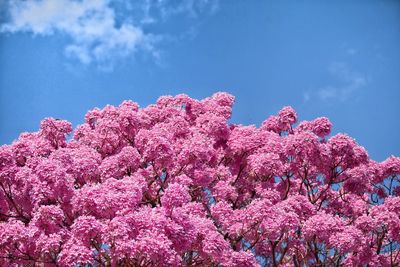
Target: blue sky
[339, 59]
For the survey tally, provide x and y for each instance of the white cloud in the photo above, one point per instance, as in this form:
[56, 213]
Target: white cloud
[349, 82]
[351, 51]
[327, 93]
[156, 10]
[91, 25]
[97, 31]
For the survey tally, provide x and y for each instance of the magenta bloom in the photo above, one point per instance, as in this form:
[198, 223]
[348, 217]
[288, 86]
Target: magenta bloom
[175, 184]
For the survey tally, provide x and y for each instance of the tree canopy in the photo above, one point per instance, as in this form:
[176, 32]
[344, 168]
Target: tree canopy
[177, 184]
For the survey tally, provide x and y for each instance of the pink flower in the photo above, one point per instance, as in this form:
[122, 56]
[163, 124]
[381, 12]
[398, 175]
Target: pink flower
[175, 184]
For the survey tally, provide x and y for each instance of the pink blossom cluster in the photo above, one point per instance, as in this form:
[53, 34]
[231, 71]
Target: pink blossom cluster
[176, 184]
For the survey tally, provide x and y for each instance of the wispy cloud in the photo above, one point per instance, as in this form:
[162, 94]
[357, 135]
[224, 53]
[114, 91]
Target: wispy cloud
[351, 51]
[97, 31]
[347, 82]
[191, 8]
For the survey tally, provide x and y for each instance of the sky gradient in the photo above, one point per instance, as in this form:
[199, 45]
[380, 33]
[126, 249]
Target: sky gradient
[339, 59]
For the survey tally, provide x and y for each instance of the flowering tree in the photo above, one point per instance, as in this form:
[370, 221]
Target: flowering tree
[174, 184]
